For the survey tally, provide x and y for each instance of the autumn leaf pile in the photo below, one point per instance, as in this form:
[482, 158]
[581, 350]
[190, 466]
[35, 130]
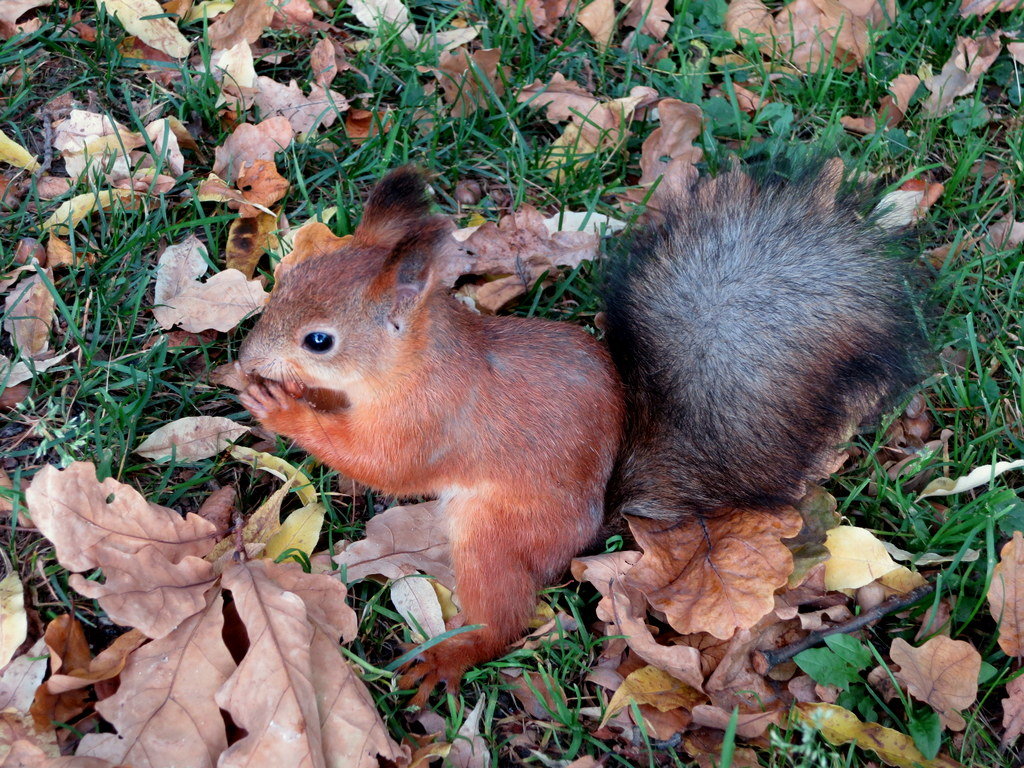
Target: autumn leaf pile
[230, 633]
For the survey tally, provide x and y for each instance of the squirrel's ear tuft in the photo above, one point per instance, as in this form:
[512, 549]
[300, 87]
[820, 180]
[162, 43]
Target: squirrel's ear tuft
[396, 208]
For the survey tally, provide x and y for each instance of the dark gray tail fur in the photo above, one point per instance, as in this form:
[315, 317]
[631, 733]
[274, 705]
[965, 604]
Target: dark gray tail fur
[754, 329]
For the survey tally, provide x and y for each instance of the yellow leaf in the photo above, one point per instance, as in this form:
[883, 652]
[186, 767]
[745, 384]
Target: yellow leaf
[13, 621]
[278, 468]
[209, 9]
[72, 211]
[902, 580]
[653, 686]
[160, 32]
[840, 726]
[300, 530]
[12, 152]
[857, 558]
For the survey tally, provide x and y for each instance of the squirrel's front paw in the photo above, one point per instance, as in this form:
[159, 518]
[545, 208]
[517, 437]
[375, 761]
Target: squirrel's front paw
[265, 399]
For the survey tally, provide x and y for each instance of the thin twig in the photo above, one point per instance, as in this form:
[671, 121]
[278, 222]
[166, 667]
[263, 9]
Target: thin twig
[772, 658]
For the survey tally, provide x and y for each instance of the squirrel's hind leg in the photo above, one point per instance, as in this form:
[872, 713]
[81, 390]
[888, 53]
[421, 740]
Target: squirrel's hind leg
[502, 552]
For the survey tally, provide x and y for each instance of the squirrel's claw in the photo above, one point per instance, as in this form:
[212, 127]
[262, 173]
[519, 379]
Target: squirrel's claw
[436, 665]
[266, 397]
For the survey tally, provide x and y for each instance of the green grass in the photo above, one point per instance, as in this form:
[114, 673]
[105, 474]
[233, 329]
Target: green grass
[125, 379]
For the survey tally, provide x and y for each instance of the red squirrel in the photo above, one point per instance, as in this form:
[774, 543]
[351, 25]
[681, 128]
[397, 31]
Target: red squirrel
[747, 332]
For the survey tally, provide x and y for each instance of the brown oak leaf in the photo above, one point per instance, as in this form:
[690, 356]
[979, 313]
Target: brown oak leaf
[462, 76]
[960, 75]
[714, 574]
[304, 113]
[166, 698]
[399, 542]
[246, 20]
[29, 313]
[1013, 711]
[1006, 596]
[517, 250]
[283, 696]
[943, 673]
[249, 143]
[651, 17]
[220, 303]
[150, 555]
[624, 609]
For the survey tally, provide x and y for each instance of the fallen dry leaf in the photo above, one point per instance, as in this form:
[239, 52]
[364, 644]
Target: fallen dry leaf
[374, 14]
[960, 75]
[399, 542]
[1013, 711]
[943, 673]
[469, 750]
[985, 7]
[137, 17]
[275, 693]
[166, 696]
[653, 687]
[235, 70]
[518, 251]
[624, 609]
[181, 264]
[69, 651]
[812, 34]
[415, 599]
[908, 204]
[22, 676]
[150, 555]
[651, 17]
[299, 531]
[105, 666]
[748, 18]
[248, 239]
[261, 186]
[1006, 234]
[1006, 596]
[28, 314]
[840, 726]
[249, 143]
[69, 213]
[245, 21]
[462, 75]
[602, 124]
[680, 124]
[944, 486]
[857, 558]
[749, 725]
[892, 108]
[13, 153]
[191, 438]
[12, 10]
[304, 113]
[13, 621]
[219, 303]
[715, 574]
[598, 18]
[323, 62]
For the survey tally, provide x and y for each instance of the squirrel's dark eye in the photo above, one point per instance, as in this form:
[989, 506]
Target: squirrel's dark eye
[318, 341]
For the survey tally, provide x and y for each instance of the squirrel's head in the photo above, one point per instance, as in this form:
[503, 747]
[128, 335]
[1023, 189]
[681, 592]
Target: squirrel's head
[343, 321]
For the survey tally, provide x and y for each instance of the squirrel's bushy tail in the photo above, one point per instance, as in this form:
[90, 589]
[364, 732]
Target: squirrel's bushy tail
[754, 328]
